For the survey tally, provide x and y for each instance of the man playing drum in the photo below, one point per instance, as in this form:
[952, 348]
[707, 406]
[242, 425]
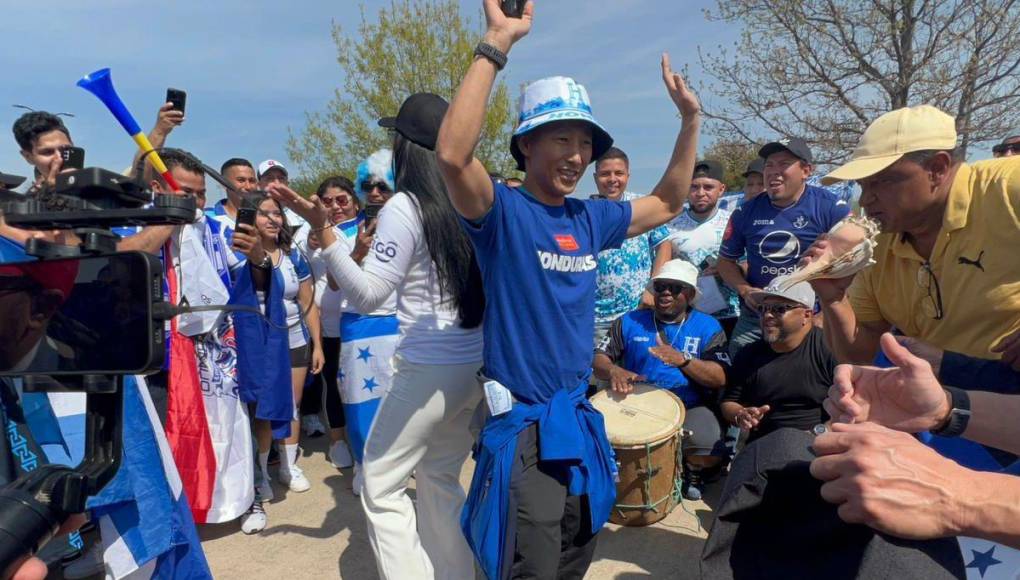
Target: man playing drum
[677, 348]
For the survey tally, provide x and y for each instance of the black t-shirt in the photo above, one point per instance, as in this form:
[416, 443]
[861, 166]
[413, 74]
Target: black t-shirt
[793, 384]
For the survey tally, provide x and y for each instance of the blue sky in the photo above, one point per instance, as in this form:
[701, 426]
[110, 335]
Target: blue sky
[252, 69]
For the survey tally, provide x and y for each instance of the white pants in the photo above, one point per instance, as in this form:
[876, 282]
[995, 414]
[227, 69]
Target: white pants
[421, 427]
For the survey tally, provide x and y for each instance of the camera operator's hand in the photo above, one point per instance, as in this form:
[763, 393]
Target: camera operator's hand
[167, 120]
[248, 242]
[34, 568]
[503, 31]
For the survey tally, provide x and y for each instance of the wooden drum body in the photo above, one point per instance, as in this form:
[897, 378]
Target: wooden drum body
[644, 429]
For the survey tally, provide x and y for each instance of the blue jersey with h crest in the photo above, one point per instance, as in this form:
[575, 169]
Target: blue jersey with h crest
[699, 335]
[539, 264]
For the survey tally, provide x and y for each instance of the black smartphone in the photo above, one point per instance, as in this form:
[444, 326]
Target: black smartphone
[513, 8]
[246, 215]
[74, 157]
[372, 211]
[177, 97]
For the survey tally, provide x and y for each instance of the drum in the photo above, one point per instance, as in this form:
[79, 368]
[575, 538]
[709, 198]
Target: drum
[644, 429]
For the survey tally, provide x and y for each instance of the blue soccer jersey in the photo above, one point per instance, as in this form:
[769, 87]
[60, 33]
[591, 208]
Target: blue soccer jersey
[774, 238]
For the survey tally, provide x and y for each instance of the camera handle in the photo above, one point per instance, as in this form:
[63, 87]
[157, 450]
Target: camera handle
[34, 506]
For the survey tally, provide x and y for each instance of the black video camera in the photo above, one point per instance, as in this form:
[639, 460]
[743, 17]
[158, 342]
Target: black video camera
[79, 319]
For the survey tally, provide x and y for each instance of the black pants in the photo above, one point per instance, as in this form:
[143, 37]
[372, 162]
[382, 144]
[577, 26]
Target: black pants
[554, 539]
[328, 376]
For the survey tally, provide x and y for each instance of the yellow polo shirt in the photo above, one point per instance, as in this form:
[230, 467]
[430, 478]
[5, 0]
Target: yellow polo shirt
[976, 260]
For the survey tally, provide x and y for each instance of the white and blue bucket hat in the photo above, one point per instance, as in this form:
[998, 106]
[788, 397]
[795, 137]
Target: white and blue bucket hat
[556, 99]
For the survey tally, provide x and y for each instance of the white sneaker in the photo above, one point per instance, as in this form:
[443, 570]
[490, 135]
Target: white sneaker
[254, 520]
[359, 480]
[340, 455]
[295, 479]
[312, 426]
[265, 489]
[87, 565]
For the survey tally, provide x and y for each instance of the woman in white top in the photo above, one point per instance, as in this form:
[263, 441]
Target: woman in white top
[421, 252]
[304, 338]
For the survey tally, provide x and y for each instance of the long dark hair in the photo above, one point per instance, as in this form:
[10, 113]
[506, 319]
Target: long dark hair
[417, 174]
[285, 239]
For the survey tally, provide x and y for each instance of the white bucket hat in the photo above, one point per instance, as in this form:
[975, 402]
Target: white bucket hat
[679, 271]
[556, 99]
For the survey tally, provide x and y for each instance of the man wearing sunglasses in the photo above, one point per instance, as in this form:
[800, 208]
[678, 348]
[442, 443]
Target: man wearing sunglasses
[946, 271]
[677, 348]
[1009, 147]
[782, 379]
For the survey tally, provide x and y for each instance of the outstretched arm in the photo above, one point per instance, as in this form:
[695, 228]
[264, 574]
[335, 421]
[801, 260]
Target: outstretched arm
[667, 199]
[466, 178]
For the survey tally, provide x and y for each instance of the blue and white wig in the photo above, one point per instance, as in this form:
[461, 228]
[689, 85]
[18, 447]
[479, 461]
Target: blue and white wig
[378, 165]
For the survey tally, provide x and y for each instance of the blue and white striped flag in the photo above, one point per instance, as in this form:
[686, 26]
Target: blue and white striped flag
[143, 514]
[366, 371]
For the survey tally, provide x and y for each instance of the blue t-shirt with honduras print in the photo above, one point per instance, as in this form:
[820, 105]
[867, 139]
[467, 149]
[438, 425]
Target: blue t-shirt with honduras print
[539, 265]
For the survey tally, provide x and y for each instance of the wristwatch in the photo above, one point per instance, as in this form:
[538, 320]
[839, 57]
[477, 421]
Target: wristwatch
[497, 56]
[688, 357]
[959, 415]
[266, 264]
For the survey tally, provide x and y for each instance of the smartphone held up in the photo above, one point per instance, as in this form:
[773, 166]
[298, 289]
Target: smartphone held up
[513, 8]
[176, 97]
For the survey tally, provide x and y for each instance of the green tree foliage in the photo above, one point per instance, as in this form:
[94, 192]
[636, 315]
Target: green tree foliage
[734, 154]
[412, 46]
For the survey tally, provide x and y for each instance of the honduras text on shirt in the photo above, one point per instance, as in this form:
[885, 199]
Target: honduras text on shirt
[539, 266]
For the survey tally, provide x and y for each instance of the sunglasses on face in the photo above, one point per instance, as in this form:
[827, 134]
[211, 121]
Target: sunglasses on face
[340, 201]
[777, 310]
[1002, 149]
[370, 186]
[674, 288]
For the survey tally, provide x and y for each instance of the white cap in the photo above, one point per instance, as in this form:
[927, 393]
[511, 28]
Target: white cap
[680, 271]
[801, 292]
[271, 164]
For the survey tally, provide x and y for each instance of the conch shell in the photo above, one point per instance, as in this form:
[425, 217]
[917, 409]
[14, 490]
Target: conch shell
[851, 248]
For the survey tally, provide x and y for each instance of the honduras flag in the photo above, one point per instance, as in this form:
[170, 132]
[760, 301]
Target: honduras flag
[366, 371]
[144, 519]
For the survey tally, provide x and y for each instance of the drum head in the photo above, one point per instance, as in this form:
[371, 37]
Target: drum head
[647, 415]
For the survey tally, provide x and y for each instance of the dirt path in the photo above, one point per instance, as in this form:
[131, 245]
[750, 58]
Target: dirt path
[321, 534]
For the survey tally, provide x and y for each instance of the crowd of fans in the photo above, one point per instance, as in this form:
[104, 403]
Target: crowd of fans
[433, 308]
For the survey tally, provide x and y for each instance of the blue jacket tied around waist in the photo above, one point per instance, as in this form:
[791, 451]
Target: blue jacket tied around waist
[571, 431]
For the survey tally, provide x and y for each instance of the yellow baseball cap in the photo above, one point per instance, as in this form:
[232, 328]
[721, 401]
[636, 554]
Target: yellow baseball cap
[895, 133]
